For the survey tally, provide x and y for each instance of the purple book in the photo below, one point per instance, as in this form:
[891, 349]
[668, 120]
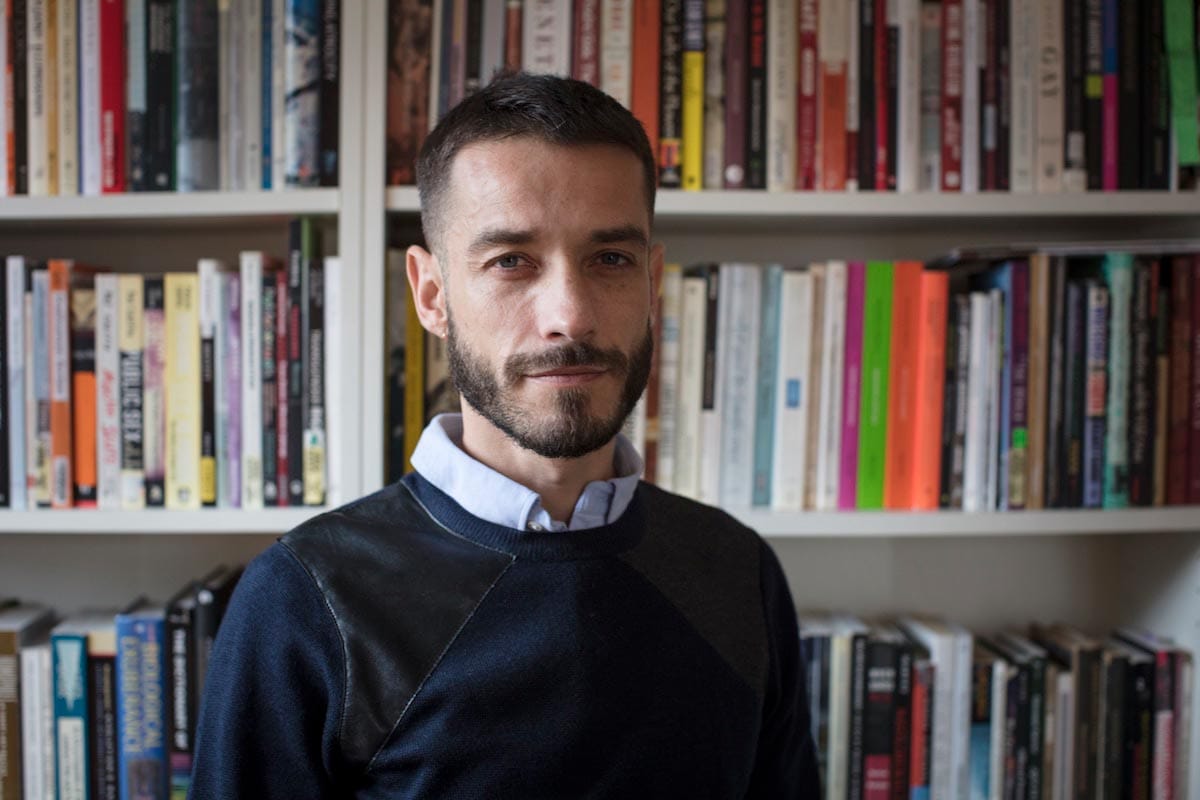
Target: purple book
[1018, 408]
[736, 19]
[154, 392]
[233, 392]
[856, 276]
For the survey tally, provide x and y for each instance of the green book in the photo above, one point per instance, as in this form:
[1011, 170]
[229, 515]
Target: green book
[1181, 67]
[1118, 273]
[876, 360]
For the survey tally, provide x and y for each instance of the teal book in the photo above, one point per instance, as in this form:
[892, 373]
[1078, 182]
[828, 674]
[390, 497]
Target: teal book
[1118, 274]
[768, 375]
[876, 361]
[72, 719]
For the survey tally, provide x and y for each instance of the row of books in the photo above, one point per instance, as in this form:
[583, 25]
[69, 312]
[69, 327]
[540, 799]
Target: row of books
[1007, 380]
[922, 708]
[104, 703]
[913, 95]
[183, 390]
[168, 95]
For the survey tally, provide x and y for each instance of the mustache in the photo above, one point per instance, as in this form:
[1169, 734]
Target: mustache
[575, 354]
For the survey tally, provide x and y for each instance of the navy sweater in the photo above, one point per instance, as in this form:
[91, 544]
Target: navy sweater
[400, 647]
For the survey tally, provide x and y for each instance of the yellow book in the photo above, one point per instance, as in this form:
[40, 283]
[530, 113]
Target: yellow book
[414, 379]
[182, 388]
[130, 342]
[693, 120]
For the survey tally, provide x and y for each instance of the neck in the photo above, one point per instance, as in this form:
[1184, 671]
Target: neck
[558, 481]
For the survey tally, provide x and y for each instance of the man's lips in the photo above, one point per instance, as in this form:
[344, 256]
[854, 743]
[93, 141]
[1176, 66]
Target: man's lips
[569, 375]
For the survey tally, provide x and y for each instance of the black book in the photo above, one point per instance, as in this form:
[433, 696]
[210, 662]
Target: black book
[136, 81]
[197, 112]
[1093, 106]
[312, 456]
[160, 95]
[1156, 106]
[18, 53]
[949, 397]
[5, 422]
[1114, 673]
[208, 411]
[330, 49]
[1074, 123]
[903, 733]
[305, 247]
[1003, 96]
[866, 95]
[1129, 66]
[1032, 659]
[211, 599]
[155, 457]
[1143, 383]
[475, 79]
[1137, 725]
[183, 703]
[670, 173]
[1075, 384]
[756, 95]
[102, 725]
[858, 701]
[270, 396]
[893, 105]
[1082, 655]
[1056, 379]
[879, 707]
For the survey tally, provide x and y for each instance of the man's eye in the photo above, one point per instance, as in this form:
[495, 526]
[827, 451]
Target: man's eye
[614, 259]
[511, 261]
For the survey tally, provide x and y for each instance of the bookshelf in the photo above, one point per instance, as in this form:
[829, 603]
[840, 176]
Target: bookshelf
[1097, 569]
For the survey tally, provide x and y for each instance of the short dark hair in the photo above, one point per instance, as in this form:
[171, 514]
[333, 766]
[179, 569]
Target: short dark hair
[556, 110]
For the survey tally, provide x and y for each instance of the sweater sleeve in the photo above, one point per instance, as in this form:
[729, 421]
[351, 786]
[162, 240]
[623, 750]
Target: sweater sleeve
[269, 720]
[786, 762]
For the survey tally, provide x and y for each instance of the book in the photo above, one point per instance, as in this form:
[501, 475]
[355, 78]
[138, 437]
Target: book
[20, 627]
[141, 711]
[302, 87]
[130, 347]
[182, 383]
[82, 298]
[197, 58]
[108, 391]
[792, 396]
[154, 409]
[876, 356]
[1118, 273]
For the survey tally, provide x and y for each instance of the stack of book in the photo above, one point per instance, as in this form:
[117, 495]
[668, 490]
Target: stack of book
[920, 707]
[839, 95]
[168, 95]
[183, 390]
[106, 701]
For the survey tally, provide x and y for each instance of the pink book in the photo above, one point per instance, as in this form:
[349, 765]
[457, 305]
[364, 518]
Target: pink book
[856, 277]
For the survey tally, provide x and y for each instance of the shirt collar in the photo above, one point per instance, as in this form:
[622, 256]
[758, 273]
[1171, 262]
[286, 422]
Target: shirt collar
[491, 496]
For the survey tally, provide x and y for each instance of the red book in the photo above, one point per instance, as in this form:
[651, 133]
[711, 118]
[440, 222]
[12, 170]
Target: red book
[931, 370]
[513, 14]
[112, 96]
[282, 452]
[806, 107]
[952, 78]
[880, 30]
[585, 52]
[834, 138]
[1181, 380]
[1194, 406]
[647, 21]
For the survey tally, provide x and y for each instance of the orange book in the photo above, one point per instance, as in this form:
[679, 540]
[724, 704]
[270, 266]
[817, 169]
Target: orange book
[931, 369]
[647, 22]
[902, 384]
[61, 478]
[83, 392]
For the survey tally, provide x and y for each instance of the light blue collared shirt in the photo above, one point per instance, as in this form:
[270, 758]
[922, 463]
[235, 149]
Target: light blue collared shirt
[485, 493]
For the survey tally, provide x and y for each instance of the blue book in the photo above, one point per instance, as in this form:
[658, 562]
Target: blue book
[1118, 272]
[1001, 278]
[1095, 395]
[768, 367]
[302, 79]
[141, 704]
[72, 723]
[268, 85]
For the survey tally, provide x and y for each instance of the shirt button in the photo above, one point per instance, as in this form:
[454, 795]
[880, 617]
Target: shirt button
[535, 527]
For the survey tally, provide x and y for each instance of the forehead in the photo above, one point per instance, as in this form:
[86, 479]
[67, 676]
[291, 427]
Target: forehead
[527, 184]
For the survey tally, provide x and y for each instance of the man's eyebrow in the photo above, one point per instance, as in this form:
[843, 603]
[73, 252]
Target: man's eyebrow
[631, 234]
[510, 237]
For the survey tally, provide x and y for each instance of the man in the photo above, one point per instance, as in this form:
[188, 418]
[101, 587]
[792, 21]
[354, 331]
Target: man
[520, 617]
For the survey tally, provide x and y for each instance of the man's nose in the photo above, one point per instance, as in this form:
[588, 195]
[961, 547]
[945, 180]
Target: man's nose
[566, 306]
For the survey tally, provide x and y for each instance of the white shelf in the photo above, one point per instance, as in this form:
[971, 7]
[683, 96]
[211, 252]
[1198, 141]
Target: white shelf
[157, 521]
[757, 204]
[184, 206]
[957, 524]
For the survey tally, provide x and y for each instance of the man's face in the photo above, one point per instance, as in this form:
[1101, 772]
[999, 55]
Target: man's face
[547, 269]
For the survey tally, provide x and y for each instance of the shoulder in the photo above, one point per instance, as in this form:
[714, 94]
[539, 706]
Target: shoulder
[693, 525]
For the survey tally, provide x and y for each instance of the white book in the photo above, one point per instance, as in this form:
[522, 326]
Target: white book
[840, 666]
[908, 115]
[108, 392]
[227, 374]
[5, 105]
[710, 407]
[975, 456]
[832, 357]
[1002, 671]
[15, 322]
[852, 99]
[68, 98]
[741, 290]
[89, 98]
[668, 375]
[37, 720]
[38, 133]
[931, 96]
[691, 384]
[791, 392]
[1064, 755]
[781, 95]
[714, 93]
[1049, 90]
[992, 495]
[1024, 34]
[616, 50]
[32, 440]
[251, 271]
[972, 55]
[491, 59]
[278, 95]
[546, 37]
[335, 404]
[252, 100]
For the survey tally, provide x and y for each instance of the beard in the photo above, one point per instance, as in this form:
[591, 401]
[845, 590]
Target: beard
[571, 430]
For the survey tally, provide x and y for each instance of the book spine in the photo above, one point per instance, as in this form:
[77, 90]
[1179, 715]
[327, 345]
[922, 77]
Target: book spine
[975, 430]
[876, 349]
[1001, 39]
[39, 460]
[334, 391]
[958, 307]
[182, 700]
[1095, 412]
[853, 100]
[408, 111]
[931, 96]
[83, 395]
[108, 391]
[1110, 109]
[270, 398]
[330, 47]
[1118, 271]
[858, 698]
[829, 427]
[209, 314]
[952, 90]
[160, 89]
[31, 702]
[266, 83]
[282, 390]
[668, 377]
[901, 444]
[303, 82]
[670, 174]
[792, 395]
[1022, 146]
[806, 124]
[1160, 310]
[232, 364]
[251, 402]
[756, 97]
[585, 47]
[831, 100]
[300, 255]
[547, 34]
[692, 93]
[102, 738]
[879, 718]
[691, 370]
[112, 96]
[1075, 145]
[19, 53]
[130, 343]
[908, 98]
[1039, 346]
[154, 411]
[1181, 380]
[229, 98]
[645, 62]
[38, 155]
[1194, 445]
[864, 153]
[1050, 98]
[970, 87]
[768, 376]
[1018, 404]
[716, 311]
[1058, 387]
[931, 361]
[1093, 108]
[182, 384]
[197, 151]
[886, 53]
[71, 721]
[781, 95]
[250, 39]
[1075, 393]
[715, 24]
[312, 452]
[137, 74]
[59, 317]
[1129, 109]
[852, 387]
[1156, 106]
[17, 377]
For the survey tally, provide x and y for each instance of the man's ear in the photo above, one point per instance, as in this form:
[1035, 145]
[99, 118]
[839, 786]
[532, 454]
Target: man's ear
[428, 291]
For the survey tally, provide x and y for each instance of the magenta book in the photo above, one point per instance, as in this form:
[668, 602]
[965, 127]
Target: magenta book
[852, 379]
